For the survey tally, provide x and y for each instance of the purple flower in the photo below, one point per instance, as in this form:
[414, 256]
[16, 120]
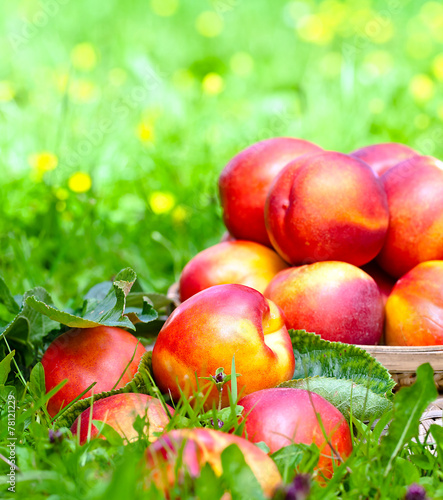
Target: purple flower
[300, 488]
[220, 423]
[219, 377]
[416, 492]
[55, 436]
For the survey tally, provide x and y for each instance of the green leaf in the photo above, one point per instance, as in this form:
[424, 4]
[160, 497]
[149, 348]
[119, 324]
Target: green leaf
[108, 311]
[409, 404]
[145, 315]
[421, 461]
[37, 385]
[5, 367]
[317, 357]
[29, 327]
[238, 476]
[108, 432]
[208, 486]
[157, 300]
[296, 457]
[407, 470]
[345, 395]
[7, 299]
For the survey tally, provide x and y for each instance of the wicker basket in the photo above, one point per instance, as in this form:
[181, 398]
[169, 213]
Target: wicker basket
[402, 362]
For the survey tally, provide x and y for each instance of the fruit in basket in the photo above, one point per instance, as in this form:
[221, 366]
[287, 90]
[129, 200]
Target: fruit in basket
[120, 411]
[415, 197]
[282, 416]
[245, 181]
[106, 355]
[208, 329]
[244, 262]
[336, 300]
[384, 281]
[188, 450]
[382, 157]
[414, 311]
[327, 206]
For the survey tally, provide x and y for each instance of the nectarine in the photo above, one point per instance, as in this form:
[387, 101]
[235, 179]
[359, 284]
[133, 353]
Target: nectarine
[193, 448]
[415, 197]
[282, 416]
[414, 311]
[243, 262]
[327, 206]
[382, 157]
[120, 411]
[207, 330]
[245, 181]
[86, 355]
[336, 300]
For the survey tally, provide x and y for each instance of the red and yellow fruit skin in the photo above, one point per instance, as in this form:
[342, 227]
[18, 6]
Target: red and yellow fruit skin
[243, 262]
[384, 281]
[415, 197]
[327, 206]
[120, 411]
[382, 157]
[414, 311]
[87, 355]
[207, 330]
[197, 447]
[245, 181]
[282, 416]
[336, 300]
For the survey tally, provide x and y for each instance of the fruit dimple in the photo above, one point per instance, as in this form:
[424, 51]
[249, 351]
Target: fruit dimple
[272, 319]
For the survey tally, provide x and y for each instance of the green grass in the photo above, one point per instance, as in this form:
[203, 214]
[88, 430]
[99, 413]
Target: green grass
[355, 84]
[152, 109]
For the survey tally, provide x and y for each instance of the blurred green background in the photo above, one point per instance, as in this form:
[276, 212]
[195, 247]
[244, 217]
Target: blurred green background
[117, 117]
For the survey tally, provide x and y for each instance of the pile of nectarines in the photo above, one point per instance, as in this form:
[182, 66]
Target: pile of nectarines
[346, 246]
[328, 237]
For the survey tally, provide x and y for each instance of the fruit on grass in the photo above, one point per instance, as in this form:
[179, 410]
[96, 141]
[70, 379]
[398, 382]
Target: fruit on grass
[245, 181]
[208, 329]
[415, 197]
[327, 206]
[382, 157]
[336, 300]
[106, 355]
[120, 411]
[193, 448]
[282, 416]
[414, 311]
[244, 262]
[384, 281]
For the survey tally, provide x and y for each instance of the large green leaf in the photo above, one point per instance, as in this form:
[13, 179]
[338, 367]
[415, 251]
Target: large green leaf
[409, 405]
[7, 299]
[315, 357]
[108, 311]
[346, 396]
[29, 326]
[5, 367]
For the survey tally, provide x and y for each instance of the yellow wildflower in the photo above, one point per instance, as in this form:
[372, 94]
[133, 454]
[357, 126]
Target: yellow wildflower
[213, 84]
[80, 182]
[161, 202]
[422, 87]
[145, 131]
